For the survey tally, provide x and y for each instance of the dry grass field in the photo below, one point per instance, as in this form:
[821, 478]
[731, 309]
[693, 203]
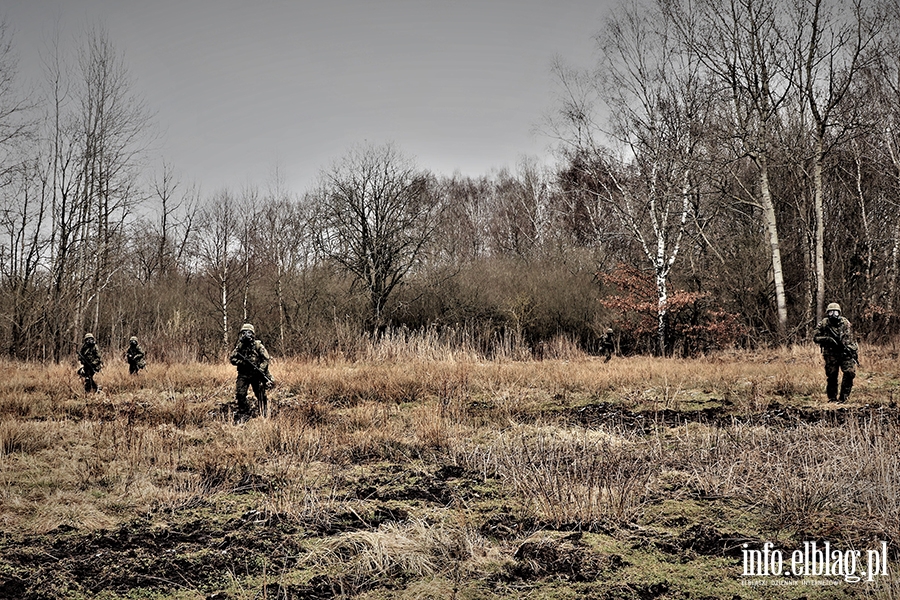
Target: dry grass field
[421, 473]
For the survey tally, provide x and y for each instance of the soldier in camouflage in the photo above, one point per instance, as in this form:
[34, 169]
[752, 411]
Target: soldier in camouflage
[840, 351]
[252, 362]
[607, 346]
[91, 363]
[134, 354]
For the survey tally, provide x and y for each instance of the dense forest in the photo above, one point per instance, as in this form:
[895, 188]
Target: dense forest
[723, 171]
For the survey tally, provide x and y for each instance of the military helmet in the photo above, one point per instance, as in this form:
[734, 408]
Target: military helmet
[247, 327]
[609, 330]
[133, 339]
[88, 336]
[833, 306]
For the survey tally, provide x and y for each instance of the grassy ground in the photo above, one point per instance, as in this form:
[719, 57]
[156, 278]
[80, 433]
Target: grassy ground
[447, 477]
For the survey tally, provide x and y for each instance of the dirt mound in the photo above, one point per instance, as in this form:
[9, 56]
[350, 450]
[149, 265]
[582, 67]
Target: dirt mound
[63, 563]
[568, 558]
[610, 415]
[706, 539]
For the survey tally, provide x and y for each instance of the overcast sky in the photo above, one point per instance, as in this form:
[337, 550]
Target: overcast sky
[240, 86]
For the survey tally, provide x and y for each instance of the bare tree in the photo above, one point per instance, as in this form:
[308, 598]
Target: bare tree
[647, 176]
[521, 216]
[113, 130]
[23, 208]
[23, 217]
[837, 38]
[218, 252]
[374, 214]
[886, 98]
[175, 222]
[94, 135]
[62, 182]
[287, 250]
[464, 228]
[745, 48]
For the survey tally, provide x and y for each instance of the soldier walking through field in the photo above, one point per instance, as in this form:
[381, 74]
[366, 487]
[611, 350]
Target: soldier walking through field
[252, 362]
[91, 363]
[134, 354]
[607, 346]
[840, 351]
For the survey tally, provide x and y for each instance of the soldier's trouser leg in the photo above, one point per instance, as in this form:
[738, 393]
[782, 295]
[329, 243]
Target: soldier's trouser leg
[849, 369]
[89, 384]
[132, 368]
[832, 370]
[240, 395]
[262, 402]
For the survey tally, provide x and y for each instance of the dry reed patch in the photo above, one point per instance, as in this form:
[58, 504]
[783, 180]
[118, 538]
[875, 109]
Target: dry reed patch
[747, 380]
[584, 479]
[309, 494]
[347, 384]
[29, 391]
[293, 434]
[430, 345]
[121, 468]
[398, 552]
[431, 430]
[828, 481]
[70, 510]
[26, 437]
[372, 432]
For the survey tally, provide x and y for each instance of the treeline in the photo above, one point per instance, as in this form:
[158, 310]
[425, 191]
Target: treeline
[722, 173]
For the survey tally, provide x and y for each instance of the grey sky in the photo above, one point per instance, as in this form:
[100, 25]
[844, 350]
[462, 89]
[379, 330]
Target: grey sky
[238, 87]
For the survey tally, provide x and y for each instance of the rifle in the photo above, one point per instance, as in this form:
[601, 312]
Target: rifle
[845, 351]
[270, 383]
[85, 366]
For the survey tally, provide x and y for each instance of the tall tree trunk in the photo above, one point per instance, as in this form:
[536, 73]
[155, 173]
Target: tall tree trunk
[864, 216]
[895, 248]
[819, 208]
[279, 296]
[771, 223]
[224, 290]
[662, 307]
[895, 267]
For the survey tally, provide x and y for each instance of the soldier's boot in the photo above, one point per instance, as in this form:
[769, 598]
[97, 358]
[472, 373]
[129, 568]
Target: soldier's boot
[846, 386]
[831, 389]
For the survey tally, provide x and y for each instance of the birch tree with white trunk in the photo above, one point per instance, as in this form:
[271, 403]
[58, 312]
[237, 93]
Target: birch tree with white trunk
[645, 163]
[748, 52]
[837, 41]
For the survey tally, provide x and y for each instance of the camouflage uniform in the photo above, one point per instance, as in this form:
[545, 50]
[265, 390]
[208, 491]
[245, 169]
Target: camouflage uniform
[607, 346]
[252, 360]
[135, 356]
[840, 351]
[91, 362]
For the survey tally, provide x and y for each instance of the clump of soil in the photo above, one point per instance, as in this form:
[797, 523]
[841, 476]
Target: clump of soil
[566, 558]
[135, 555]
[644, 422]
